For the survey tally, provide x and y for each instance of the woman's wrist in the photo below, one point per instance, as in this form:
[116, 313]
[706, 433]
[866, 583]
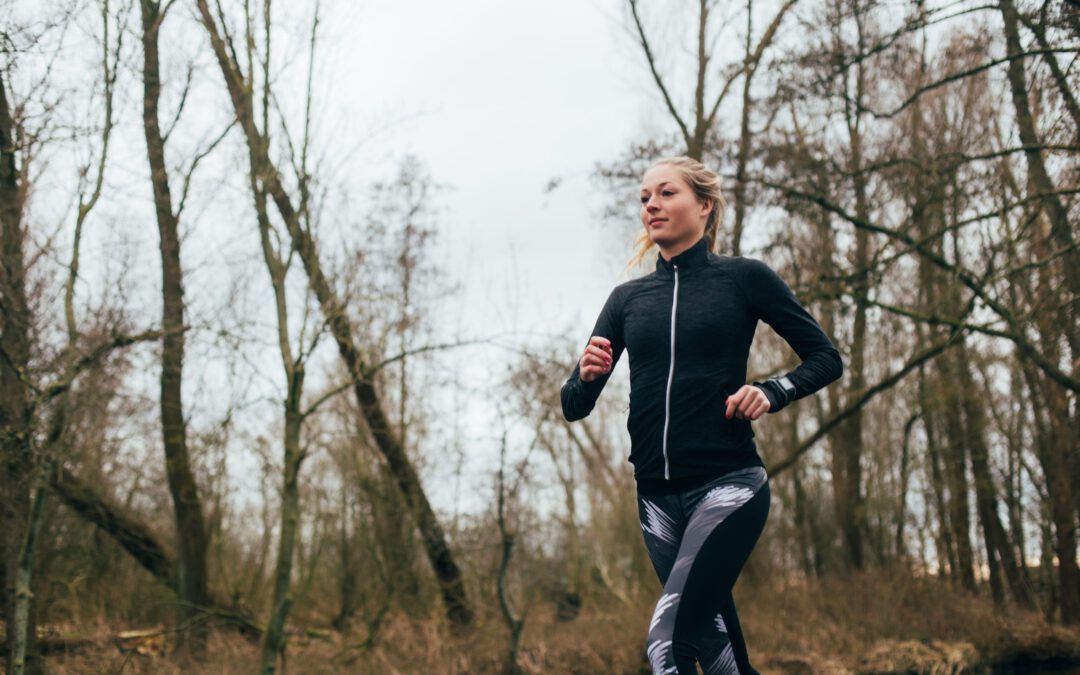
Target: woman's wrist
[776, 400]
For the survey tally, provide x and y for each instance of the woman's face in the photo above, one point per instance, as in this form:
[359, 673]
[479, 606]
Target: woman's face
[670, 211]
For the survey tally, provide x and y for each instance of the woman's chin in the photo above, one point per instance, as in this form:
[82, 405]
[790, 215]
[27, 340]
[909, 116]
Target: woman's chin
[660, 238]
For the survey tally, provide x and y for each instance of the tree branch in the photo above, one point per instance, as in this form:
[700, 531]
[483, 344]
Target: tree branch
[959, 76]
[965, 277]
[687, 138]
[857, 405]
[88, 360]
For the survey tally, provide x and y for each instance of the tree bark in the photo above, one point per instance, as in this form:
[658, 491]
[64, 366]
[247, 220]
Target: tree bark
[946, 553]
[190, 528]
[847, 448]
[900, 519]
[20, 629]
[293, 368]
[16, 453]
[274, 639]
[1043, 184]
[1056, 464]
[434, 539]
[956, 473]
[1055, 442]
[1000, 555]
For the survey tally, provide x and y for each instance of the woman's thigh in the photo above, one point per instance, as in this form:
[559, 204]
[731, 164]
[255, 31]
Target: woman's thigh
[662, 525]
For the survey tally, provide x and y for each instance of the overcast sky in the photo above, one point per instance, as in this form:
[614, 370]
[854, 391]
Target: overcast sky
[498, 98]
[495, 98]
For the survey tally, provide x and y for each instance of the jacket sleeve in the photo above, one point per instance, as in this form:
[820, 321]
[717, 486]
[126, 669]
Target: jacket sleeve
[579, 397]
[773, 302]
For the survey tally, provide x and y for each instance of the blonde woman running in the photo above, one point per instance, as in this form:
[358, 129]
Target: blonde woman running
[702, 489]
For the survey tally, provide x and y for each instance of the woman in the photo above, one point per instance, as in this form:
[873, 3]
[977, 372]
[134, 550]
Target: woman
[703, 494]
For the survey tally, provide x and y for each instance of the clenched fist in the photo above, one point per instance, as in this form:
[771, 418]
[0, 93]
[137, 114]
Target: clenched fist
[748, 403]
[597, 359]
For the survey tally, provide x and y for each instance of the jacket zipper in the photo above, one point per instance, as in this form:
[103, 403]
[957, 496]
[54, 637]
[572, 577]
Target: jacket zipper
[671, 374]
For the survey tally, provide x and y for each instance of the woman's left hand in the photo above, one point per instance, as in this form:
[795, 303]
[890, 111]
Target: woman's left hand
[748, 403]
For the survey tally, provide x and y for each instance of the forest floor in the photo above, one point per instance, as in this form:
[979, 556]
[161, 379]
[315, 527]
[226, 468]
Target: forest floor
[872, 623]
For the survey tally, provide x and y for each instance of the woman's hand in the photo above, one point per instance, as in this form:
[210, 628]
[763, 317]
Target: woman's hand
[597, 359]
[748, 403]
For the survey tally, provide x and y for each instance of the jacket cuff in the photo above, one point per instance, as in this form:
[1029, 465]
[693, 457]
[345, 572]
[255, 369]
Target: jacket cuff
[779, 390]
[769, 394]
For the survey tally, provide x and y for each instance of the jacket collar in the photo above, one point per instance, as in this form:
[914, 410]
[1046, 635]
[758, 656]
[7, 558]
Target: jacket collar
[695, 256]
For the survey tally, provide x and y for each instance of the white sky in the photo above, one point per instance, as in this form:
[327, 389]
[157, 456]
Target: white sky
[509, 95]
[495, 99]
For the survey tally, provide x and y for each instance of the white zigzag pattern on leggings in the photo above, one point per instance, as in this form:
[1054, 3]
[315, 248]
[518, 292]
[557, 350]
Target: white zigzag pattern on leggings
[658, 523]
[720, 623]
[666, 601]
[726, 495]
[725, 663]
[657, 655]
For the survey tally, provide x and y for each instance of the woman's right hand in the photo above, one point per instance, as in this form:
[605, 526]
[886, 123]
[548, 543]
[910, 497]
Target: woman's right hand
[597, 359]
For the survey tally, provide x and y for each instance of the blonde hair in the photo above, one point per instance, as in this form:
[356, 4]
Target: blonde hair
[706, 185]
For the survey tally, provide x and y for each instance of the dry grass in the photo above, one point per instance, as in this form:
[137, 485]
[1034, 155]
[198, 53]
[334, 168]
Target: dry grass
[879, 621]
[863, 623]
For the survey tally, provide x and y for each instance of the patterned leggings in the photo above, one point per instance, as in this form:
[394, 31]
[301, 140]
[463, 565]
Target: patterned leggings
[698, 541]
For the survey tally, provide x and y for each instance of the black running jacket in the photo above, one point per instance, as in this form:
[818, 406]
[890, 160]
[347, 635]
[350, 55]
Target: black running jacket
[688, 328]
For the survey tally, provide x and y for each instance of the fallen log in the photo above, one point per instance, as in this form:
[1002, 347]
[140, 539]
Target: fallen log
[142, 544]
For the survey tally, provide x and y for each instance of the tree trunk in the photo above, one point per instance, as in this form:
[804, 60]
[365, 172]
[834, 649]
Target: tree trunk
[1055, 446]
[274, 639]
[808, 538]
[946, 553]
[347, 587]
[999, 552]
[16, 458]
[899, 548]
[1060, 228]
[21, 627]
[1056, 465]
[847, 447]
[190, 527]
[851, 509]
[435, 544]
[956, 472]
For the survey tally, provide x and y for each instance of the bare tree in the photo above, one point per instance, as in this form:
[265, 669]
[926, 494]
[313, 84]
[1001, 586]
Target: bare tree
[293, 361]
[190, 521]
[16, 454]
[368, 396]
[515, 621]
[1058, 473]
[696, 136]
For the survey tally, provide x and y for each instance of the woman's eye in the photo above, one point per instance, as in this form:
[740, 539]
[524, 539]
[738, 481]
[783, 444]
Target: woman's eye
[667, 193]
[644, 199]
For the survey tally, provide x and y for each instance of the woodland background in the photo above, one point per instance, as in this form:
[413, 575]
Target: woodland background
[234, 394]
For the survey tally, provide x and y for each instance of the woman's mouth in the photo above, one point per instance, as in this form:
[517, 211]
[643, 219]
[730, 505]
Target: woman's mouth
[656, 221]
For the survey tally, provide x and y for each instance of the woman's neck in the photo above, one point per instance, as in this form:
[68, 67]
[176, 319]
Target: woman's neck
[669, 252]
